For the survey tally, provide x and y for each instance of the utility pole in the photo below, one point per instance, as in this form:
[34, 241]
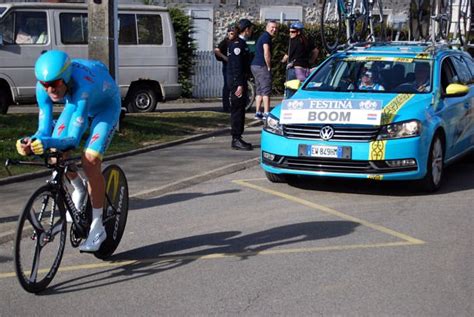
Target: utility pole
[103, 39]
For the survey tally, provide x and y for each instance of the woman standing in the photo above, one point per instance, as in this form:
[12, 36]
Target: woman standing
[301, 54]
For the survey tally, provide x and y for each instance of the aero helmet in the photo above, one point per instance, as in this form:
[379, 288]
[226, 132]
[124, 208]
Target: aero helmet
[53, 65]
[297, 25]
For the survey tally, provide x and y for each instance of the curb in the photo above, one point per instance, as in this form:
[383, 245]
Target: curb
[197, 137]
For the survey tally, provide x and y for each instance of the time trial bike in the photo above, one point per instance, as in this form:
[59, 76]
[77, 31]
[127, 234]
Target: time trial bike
[42, 227]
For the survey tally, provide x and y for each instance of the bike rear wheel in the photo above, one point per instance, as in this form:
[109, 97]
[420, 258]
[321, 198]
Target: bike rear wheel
[358, 21]
[464, 22]
[331, 25]
[40, 240]
[420, 19]
[115, 209]
[442, 11]
[378, 30]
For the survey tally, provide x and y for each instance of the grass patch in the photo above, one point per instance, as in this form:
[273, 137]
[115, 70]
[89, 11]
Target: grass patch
[136, 131]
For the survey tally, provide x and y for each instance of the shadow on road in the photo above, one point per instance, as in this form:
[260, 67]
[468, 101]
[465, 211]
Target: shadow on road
[139, 203]
[166, 255]
[457, 177]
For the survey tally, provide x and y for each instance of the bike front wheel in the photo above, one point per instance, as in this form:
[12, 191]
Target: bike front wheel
[40, 240]
[331, 25]
[115, 209]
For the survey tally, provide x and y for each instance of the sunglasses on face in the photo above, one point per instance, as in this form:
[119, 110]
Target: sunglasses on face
[293, 31]
[53, 84]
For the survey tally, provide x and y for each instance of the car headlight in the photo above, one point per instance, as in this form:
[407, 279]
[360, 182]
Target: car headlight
[399, 130]
[272, 125]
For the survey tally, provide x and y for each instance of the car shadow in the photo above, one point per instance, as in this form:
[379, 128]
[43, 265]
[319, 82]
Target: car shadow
[457, 177]
[162, 256]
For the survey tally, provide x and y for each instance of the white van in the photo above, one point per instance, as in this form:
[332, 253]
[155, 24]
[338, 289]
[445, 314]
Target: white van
[148, 60]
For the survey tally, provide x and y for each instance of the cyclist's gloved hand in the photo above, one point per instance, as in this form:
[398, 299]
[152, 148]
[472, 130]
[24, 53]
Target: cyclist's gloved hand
[22, 146]
[37, 146]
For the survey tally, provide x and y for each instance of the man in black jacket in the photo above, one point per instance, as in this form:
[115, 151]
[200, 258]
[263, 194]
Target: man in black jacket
[238, 71]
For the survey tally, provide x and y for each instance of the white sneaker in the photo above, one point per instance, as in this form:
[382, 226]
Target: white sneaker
[96, 236]
[77, 197]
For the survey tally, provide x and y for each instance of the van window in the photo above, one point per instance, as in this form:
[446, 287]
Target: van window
[150, 30]
[134, 29]
[25, 27]
[73, 28]
[127, 29]
[139, 29]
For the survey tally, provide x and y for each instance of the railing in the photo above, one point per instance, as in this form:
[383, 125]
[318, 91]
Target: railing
[207, 80]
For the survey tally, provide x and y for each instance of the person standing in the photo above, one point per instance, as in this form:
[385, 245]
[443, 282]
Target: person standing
[301, 54]
[238, 71]
[261, 69]
[221, 55]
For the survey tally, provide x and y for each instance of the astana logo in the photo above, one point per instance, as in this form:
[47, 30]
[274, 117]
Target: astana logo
[295, 105]
[368, 105]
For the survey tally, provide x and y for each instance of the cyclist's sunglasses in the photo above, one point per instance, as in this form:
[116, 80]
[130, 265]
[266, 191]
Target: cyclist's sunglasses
[53, 84]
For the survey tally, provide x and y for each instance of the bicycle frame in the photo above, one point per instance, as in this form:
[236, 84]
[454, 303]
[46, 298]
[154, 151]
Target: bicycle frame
[60, 166]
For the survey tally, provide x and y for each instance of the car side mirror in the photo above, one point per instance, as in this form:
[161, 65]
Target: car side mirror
[294, 84]
[456, 90]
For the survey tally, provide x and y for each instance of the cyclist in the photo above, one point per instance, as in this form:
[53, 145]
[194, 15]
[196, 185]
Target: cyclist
[91, 96]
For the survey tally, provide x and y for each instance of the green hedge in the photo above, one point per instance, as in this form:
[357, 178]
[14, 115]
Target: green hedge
[183, 29]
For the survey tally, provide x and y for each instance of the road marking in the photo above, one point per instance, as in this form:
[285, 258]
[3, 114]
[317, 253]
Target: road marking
[406, 240]
[215, 256]
[330, 211]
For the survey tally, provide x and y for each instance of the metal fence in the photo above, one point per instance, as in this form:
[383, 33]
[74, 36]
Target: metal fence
[207, 80]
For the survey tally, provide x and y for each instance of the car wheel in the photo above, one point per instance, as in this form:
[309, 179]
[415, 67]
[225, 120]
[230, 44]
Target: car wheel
[276, 178]
[4, 104]
[143, 99]
[250, 95]
[435, 167]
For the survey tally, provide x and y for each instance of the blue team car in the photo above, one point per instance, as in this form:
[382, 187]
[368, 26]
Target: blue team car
[382, 112]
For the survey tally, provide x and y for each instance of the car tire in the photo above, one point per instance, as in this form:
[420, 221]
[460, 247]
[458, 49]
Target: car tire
[435, 167]
[142, 99]
[276, 178]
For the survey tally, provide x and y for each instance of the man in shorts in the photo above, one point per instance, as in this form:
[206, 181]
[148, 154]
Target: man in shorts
[90, 94]
[261, 69]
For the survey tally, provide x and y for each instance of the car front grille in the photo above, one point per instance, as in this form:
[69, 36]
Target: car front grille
[341, 133]
[334, 165]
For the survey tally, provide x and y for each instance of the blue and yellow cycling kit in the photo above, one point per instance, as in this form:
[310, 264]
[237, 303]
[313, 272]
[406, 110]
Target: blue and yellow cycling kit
[92, 97]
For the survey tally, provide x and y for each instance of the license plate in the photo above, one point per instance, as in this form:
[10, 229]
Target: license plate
[325, 151]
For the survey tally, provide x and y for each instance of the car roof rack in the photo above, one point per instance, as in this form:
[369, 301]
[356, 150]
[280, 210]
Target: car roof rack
[404, 47]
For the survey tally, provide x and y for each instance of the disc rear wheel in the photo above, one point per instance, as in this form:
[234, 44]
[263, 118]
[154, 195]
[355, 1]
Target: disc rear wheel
[115, 209]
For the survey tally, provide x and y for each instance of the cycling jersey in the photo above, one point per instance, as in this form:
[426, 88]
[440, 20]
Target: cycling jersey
[92, 96]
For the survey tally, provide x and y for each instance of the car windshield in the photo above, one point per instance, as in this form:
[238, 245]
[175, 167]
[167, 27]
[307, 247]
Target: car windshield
[373, 74]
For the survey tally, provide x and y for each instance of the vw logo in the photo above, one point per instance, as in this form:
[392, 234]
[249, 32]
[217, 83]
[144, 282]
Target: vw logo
[326, 133]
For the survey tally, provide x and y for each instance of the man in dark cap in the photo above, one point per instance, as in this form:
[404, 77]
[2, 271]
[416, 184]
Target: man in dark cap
[238, 71]
[221, 55]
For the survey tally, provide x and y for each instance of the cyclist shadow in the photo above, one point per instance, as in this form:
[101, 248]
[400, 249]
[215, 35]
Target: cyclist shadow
[155, 258]
[139, 203]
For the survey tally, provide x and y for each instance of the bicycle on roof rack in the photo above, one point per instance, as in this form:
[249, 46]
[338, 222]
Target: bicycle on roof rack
[441, 20]
[41, 229]
[356, 17]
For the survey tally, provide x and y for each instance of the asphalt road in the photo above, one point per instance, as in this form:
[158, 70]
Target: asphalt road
[240, 245]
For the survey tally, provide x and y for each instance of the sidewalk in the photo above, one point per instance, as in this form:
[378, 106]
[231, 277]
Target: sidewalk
[166, 168]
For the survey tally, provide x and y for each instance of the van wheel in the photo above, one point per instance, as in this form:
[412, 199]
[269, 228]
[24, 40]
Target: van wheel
[4, 102]
[143, 99]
